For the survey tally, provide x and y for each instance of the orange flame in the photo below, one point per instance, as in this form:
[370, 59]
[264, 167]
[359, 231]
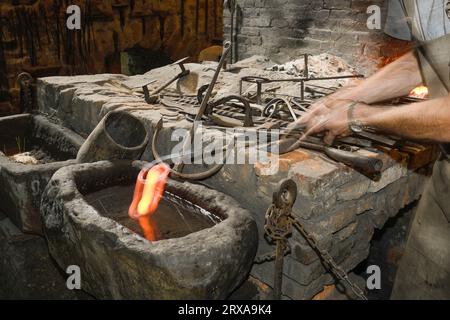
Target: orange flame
[150, 185]
[419, 92]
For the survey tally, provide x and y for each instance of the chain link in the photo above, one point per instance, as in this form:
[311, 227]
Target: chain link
[333, 267]
[328, 259]
[279, 222]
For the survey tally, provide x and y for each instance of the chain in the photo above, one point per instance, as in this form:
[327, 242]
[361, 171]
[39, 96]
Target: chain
[328, 259]
[273, 232]
[278, 228]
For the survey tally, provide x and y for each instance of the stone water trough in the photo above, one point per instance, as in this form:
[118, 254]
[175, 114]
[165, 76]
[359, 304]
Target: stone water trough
[205, 241]
[32, 149]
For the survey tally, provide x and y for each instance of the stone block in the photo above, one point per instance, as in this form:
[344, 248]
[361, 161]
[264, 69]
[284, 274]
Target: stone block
[22, 184]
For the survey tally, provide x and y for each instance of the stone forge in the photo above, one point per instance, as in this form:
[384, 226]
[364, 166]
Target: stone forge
[338, 205]
[33, 149]
[116, 263]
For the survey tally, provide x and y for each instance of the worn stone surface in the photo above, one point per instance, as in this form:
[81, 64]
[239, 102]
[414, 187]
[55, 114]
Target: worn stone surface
[22, 184]
[26, 269]
[119, 264]
[67, 98]
[339, 206]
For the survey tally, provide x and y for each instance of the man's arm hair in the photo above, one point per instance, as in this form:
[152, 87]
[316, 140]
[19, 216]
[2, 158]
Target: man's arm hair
[394, 80]
[426, 121]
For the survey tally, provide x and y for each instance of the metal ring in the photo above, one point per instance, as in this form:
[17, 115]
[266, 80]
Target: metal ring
[255, 79]
[286, 194]
[274, 103]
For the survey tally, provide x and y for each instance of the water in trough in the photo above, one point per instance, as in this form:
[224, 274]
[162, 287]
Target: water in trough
[174, 218]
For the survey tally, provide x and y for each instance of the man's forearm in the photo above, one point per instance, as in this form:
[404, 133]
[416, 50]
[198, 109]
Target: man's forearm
[394, 80]
[428, 120]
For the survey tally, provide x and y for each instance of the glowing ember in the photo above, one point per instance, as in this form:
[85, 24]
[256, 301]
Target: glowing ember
[149, 189]
[419, 92]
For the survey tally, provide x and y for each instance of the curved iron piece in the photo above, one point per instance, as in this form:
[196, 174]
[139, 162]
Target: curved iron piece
[274, 103]
[286, 195]
[300, 103]
[248, 120]
[188, 176]
[200, 93]
[255, 79]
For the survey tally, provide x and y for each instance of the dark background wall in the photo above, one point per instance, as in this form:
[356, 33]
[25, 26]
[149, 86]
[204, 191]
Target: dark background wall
[284, 29]
[34, 37]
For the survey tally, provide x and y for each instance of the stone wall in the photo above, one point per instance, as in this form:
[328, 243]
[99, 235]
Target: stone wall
[284, 29]
[34, 37]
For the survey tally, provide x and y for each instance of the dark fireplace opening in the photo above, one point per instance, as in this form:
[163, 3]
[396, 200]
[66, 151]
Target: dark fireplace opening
[138, 60]
[387, 247]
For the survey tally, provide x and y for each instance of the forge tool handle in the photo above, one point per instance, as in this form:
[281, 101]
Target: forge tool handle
[366, 165]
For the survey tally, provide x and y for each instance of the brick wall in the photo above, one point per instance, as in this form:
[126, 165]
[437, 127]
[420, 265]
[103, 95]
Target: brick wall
[34, 37]
[284, 29]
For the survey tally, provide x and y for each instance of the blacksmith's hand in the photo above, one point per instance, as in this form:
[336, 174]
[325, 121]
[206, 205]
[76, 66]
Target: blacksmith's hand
[334, 124]
[324, 105]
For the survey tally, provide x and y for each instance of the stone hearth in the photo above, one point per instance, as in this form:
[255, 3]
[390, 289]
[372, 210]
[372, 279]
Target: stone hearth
[341, 207]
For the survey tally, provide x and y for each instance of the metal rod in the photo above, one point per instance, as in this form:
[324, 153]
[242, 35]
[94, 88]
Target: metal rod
[279, 264]
[313, 79]
[302, 90]
[232, 37]
[227, 46]
[258, 93]
[231, 6]
[306, 72]
[306, 75]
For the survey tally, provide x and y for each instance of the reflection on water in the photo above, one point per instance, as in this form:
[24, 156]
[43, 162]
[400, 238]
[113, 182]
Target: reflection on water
[174, 218]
